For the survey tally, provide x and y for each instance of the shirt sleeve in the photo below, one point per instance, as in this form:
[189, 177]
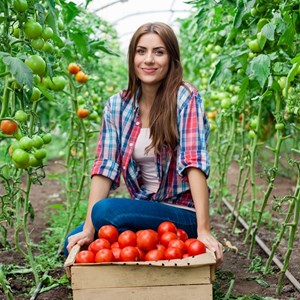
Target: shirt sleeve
[107, 162]
[193, 129]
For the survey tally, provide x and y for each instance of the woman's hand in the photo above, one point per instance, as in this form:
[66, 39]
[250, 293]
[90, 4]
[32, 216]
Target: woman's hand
[81, 238]
[213, 245]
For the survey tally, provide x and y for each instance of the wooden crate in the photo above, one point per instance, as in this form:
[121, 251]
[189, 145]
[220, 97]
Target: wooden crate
[183, 279]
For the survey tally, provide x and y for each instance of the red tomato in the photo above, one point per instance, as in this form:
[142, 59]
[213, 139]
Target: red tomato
[154, 255]
[98, 244]
[85, 257]
[177, 244]
[161, 248]
[182, 234]
[116, 253]
[115, 245]
[173, 253]
[127, 238]
[129, 253]
[141, 254]
[147, 239]
[166, 226]
[167, 237]
[188, 242]
[108, 232]
[185, 255]
[104, 255]
[196, 248]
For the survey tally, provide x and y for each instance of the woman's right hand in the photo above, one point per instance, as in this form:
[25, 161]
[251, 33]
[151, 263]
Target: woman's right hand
[81, 238]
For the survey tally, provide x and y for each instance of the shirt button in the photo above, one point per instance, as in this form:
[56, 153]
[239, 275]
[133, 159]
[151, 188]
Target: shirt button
[131, 144]
[137, 123]
[124, 167]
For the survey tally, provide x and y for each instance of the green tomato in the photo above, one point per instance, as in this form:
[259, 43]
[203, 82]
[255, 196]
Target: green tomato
[279, 126]
[37, 64]
[80, 100]
[57, 83]
[32, 29]
[48, 47]
[254, 123]
[20, 5]
[33, 161]
[16, 32]
[254, 46]
[21, 116]
[93, 116]
[15, 145]
[282, 82]
[225, 103]
[21, 157]
[40, 153]
[47, 33]
[261, 23]
[251, 134]
[36, 94]
[37, 141]
[47, 138]
[25, 143]
[37, 44]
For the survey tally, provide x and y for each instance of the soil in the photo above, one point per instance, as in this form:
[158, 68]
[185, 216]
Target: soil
[234, 269]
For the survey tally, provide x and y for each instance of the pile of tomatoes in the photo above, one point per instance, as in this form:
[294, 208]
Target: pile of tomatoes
[167, 243]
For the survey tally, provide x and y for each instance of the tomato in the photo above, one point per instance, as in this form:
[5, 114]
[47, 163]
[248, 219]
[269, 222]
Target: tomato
[37, 141]
[81, 77]
[261, 23]
[85, 257]
[173, 253]
[129, 253]
[21, 157]
[115, 245]
[36, 94]
[251, 134]
[142, 254]
[47, 33]
[254, 122]
[47, 138]
[188, 242]
[282, 82]
[8, 127]
[37, 64]
[196, 248]
[279, 126]
[80, 100]
[147, 239]
[116, 253]
[166, 226]
[32, 29]
[34, 162]
[20, 5]
[254, 46]
[98, 244]
[177, 244]
[57, 83]
[25, 143]
[154, 255]
[16, 32]
[21, 116]
[37, 44]
[167, 237]
[225, 103]
[104, 255]
[40, 153]
[211, 115]
[82, 112]
[73, 68]
[182, 235]
[161, 248]
[127, 238]
[109, 232]
[48, 47]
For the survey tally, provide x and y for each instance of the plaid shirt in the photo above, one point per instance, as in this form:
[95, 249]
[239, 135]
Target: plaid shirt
[121, 126]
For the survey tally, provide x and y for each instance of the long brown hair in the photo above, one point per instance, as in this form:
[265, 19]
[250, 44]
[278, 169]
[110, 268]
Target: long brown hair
[163, 114]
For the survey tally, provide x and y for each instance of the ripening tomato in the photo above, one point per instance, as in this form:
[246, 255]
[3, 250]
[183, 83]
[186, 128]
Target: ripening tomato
[81, 77]
[116, 253]
[147, 239]
[85, 257]
[99, 244]
[154, 255]
[108, 232]
[127, 238]
[73, 68]
[82, 112]
[167, 237]
[173, 253]
[182, 234]
[129, 253]
[104, 255]
[8, 127]
[177, 244]
[166, 226]
[196, 248]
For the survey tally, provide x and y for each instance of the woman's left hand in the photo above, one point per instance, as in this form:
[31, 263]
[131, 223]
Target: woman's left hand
[213, 245]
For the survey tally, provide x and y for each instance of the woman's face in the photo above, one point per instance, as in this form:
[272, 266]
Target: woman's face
[151, 60]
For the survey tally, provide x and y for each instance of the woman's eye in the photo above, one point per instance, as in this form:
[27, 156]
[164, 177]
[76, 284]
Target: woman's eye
[140, 51]
[159, 52]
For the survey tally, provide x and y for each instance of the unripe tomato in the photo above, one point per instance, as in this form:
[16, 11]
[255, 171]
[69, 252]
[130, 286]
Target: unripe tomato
[20, 5]
[37, 64]
[279, 126]
[37, 141]
[40, 153]
[82, 113]
[36, 94]
[48, 47]
[254, 46]
[73, 68]
[251, 134]
[8, 127]
[25, 143]
[21, 116]
[33, 162]
[32, 29]
[81, 77]
[47, 33]
[47, 138]
[21, 157]
[37, 44]
[57, 83]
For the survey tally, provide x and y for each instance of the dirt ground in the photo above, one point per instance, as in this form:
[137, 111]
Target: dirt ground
[234, 267]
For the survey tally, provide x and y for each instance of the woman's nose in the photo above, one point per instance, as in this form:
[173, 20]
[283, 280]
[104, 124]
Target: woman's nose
[149, 58]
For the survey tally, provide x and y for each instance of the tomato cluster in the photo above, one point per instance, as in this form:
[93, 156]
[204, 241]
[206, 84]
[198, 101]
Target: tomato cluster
[167, 243]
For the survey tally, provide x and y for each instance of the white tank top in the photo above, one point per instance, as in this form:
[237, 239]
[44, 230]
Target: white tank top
[146, 162]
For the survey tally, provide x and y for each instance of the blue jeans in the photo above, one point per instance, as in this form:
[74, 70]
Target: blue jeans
[138, 214]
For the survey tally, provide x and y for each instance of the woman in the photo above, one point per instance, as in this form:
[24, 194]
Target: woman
[155, 133]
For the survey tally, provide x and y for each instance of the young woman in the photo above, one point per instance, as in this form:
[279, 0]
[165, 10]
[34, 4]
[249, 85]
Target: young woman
[155, 134]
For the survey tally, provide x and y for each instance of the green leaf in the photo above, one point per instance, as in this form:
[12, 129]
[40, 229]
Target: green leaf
[260, 68]
[242, 8]
[262, 282]
[80, 42]
[287, 37]
[100, 45]
[268, 31]
[22, 73]
[45, 92]
[221, 70]
[71, 11]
